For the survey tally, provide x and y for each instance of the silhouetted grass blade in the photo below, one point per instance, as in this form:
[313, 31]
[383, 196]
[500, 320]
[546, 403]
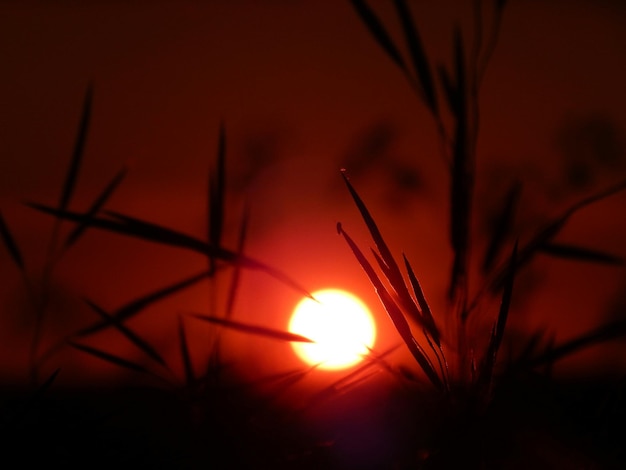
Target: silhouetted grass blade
[253, 329]
[217, 188]
[501, 226]
[427, 316]
[108, 357]
[148, 231]
[234, 285]
[11, 244]
[378, 31]
[578, 253]
[133, 337]
[500, 324]
[418, 56]
[93, 210]
[394, 312]
[190, 376]
[138, 305]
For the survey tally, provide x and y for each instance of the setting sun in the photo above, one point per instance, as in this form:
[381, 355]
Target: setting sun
[341, 326]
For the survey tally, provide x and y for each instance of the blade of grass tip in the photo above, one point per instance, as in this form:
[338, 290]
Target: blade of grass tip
[133, 337]
[380, 34]
[500, 324]
[216, 196]
[100, 201]
[10, 244]
[418, 56]
[578, 253]
[389, 267]
[110, 358]
[253, 329]
[139, 304]
[71, 176]
[190, 375]
[234, 285]
[394, 312]
[502, 224]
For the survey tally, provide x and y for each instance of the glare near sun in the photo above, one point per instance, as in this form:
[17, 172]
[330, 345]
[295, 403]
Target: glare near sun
[339, 323]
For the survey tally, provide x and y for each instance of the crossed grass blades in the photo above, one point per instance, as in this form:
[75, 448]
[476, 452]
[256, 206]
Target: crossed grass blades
[208, 392]
[457, 364]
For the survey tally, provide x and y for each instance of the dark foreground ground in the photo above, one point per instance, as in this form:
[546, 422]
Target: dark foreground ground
[536, 425]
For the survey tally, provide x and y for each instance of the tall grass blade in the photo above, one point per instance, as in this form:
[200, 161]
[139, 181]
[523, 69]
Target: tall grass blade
[190, 376]
[378, 31]
[108, 357]
[234, 285]
[217, 189]
[394, 312]
[427, 316]
[148, 231]
[100, 201]
[133, 337]
[501, 226]
[418, 56]
[11, 244]
[136, 306]
[578, 253]
[253, 329]
[500, 324]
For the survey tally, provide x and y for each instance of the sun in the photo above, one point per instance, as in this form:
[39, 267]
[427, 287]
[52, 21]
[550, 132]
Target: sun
[341, 326]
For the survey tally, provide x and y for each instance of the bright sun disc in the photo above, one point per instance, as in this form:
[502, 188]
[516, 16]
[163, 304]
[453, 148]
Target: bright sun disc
[341, 326]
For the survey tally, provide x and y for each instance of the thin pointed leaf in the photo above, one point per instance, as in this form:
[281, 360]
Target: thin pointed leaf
[378, 31]
[138, 305]
[108, 357]
[190, 376]
[500, 325]
[418, 56]
[80, 228]
[394, 312]
[217, 187]
[234, 285]
[254, 329]
[546, 234]
[148, 231]
[427, 316]
[10, 244]
[579, 253]
[79, 149]
[502, 226]
[133, 337]
[389, 267]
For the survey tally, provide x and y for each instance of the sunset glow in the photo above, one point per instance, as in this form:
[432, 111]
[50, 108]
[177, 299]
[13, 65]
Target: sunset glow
[341, 326]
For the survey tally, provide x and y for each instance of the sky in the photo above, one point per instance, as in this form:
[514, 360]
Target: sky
[302, 90]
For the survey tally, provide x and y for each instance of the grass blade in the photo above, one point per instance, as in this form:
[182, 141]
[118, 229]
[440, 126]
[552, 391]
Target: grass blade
[500, 324]
[108, 357]
[234, 285]
[216, 197]
[142, 344]
[578, 253]
[190, 376]
[427, 316]
[138, 305]
[418, 56]
[394, 312]
[80, 228]
[253, 329]
[148, 231]
[11, 244]
[378, 31]
[501, 226]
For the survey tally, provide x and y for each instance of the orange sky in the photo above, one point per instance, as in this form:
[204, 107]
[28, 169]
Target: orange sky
[299, 85]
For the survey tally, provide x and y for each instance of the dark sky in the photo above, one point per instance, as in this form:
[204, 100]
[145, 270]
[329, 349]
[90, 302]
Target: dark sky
[303, 91]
